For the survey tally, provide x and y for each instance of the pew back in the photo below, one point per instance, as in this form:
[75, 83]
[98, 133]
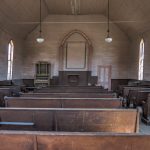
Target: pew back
[5, 91]
[70, 89]
[137, 97]
[70, 120]
[128, 88]
[72, 141]
[146, 110]
[34, 102]
[70, 95]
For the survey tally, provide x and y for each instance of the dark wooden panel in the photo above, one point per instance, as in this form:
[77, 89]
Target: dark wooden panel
[5, 91]
[70, 95]
[32, 102]
[93, 103]
[146, 110]
[71, 89]
[28, 102]
[84, 78]
[128, 88]
[6, 83]
[136, 97]
[116, 82]
[28, 82]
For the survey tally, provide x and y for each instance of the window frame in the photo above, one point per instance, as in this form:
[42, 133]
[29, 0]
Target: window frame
[141, 60]
[10, 60]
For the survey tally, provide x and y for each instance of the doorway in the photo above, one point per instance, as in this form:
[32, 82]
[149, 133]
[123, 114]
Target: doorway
[104, 76]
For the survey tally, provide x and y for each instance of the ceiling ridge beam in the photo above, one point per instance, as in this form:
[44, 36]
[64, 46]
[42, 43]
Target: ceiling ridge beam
[45, 3]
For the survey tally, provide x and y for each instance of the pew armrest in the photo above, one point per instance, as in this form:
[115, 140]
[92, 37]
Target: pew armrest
[18, 123]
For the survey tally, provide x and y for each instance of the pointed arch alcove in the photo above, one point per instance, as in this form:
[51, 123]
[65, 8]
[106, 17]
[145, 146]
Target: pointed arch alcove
[75, 59]
[75, 49]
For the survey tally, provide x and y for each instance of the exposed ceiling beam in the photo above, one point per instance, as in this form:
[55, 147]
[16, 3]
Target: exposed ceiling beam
[77, 22]
[46, 5]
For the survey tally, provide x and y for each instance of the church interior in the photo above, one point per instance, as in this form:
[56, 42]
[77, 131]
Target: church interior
[74, 75]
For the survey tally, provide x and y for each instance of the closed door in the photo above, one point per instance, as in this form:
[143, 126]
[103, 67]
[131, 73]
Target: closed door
[104, 76]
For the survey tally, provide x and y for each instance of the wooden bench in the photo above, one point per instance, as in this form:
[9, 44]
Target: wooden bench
[71, 120]
[8, 91]
[146, 110]
[141, 97]
[136, 97]
[35, 102]
[5, 91]
[70, 95]
[128, 88]
[71, 89]
[6, 83]
[15, 140]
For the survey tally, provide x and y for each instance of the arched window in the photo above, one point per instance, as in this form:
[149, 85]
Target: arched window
[10, 60]
[141, 60]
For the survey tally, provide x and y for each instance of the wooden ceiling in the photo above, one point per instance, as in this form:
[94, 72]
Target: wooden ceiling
[86, 6]
[15, 15]
[22, 16]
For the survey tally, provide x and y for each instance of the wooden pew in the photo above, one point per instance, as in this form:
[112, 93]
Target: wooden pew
[128, 88]
[5, 83]
[35, 102]
[141, 97]
[5, 91]
[71, 89]
[8, 91]
[70, 120]
[136, 97]
[72, 141]
[70, 95]
[146, 110]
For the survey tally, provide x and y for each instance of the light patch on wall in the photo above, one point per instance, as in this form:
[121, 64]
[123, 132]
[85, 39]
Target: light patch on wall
[141, 60]
[76, 55]
[10, 60]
